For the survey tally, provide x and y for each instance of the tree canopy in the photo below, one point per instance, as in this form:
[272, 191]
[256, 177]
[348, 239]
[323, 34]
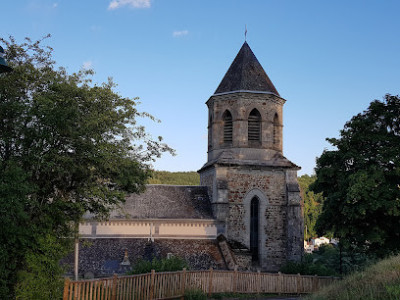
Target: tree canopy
[66, 146]
[312, 205]
[360, 179]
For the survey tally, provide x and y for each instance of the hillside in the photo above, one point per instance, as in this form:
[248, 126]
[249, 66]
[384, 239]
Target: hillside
[379, 281]
[175, 178]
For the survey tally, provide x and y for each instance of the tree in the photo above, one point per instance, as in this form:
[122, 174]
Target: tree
[67, 146]
[312, 205]
[360, 179]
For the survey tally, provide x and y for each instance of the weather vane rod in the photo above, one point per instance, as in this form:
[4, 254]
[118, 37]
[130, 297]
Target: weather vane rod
[245, 32]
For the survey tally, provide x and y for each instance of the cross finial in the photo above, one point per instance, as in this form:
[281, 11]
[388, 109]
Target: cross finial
[245, 32]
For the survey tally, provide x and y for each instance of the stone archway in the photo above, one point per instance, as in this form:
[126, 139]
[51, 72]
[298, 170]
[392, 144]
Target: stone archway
[255, 204]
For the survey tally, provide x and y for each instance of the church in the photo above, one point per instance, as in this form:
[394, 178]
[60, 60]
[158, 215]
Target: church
[247, 211]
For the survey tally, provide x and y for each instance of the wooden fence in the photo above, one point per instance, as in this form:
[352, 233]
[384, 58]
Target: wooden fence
[170, 285]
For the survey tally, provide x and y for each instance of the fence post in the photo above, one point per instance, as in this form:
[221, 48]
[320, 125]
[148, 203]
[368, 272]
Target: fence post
[66, 288]
[235, 276]
[315, 283]
[258, 282]
[153, 275]
[210, 282]
[280, 283]
[299, 284]
[114, 287]
[183, 283]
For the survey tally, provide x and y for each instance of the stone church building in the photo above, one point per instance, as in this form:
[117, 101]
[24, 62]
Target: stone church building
[247, 211]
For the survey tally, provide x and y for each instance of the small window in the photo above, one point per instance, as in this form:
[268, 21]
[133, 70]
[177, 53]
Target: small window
[227, 118]
[276, 139]
[254, 126]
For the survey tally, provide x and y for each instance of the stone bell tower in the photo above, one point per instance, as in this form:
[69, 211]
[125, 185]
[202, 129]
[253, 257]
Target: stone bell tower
[254, 190]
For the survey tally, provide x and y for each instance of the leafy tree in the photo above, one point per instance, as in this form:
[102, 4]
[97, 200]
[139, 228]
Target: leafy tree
[312, 205]
[360, 180]
[66, 146]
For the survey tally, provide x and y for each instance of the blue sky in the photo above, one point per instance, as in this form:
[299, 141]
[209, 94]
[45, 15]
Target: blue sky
[328, 59]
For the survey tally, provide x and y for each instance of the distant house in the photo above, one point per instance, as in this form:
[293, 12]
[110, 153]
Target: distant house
[308, 248]
[316, 242]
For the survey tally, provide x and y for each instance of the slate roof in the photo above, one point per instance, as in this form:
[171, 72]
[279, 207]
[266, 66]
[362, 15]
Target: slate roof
[227, 158]
[166, 202]
[246, 74]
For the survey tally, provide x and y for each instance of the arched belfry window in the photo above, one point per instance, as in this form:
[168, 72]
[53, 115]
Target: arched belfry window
[254, 126]
[254, 228]
[227, 118]
[276, 139]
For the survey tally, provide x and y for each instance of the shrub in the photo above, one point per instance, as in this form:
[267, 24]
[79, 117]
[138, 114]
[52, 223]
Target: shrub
[326, 262]
[159, 265]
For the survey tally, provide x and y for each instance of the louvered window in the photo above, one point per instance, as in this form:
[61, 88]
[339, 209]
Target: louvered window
[276, 139]
[254, 126]
[227, 117]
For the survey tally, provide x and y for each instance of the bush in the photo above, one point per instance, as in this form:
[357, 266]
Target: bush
[159, 265]
[326, 262]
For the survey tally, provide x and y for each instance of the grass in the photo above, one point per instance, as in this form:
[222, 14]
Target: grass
[379, 281]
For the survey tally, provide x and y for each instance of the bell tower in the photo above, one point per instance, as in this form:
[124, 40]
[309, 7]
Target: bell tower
[253, 187]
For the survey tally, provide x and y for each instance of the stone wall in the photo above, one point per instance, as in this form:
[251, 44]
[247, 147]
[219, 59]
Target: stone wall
[102, 257]
[240, 105]
[270, 188]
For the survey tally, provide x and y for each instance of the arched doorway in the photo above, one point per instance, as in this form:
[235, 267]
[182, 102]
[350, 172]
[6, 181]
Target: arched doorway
[254, 228]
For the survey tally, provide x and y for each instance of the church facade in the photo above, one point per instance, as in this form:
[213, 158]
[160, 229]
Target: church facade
[247, 211]
[253, 187]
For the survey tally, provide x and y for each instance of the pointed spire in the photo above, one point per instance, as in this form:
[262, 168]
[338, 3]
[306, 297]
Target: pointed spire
[246, 74]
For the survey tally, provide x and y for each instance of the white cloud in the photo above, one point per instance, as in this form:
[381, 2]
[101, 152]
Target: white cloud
[87, 65]
[114, 4]
[179, 33]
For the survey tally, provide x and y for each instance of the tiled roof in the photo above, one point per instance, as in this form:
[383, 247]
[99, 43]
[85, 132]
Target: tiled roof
[246, 74]
[166, 202]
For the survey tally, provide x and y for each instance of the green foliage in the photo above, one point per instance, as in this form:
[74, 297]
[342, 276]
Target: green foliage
[42, 276]
[378, 282]
[327, 262]
[195, 295]
[14, 223]
[159, 265]
[175, 178]
[312, 205]
[360, 180]
[66, 146]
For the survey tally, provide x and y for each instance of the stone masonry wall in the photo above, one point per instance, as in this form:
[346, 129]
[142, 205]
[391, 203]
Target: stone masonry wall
[240, 105]
[273, 231]
[102, 257]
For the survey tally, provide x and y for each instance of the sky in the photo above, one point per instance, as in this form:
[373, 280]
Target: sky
[328, 59]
